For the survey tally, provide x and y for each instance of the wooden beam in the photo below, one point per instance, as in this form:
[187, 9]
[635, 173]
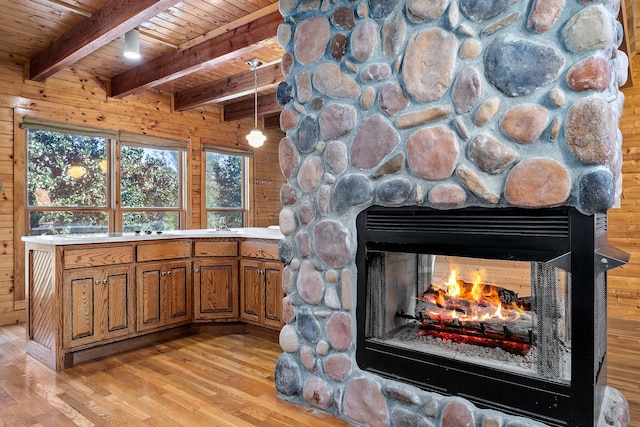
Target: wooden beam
[109, 22]
[174, 65]
[271, 121]
[267, 104]
[232, 87]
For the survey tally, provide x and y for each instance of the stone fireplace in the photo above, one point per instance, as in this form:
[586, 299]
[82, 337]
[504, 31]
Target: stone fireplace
[447, 107]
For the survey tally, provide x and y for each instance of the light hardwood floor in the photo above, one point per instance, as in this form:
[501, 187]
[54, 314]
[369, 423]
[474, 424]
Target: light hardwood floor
[205, 379]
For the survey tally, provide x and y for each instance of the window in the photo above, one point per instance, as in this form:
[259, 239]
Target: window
[75, 183]
[225, 188]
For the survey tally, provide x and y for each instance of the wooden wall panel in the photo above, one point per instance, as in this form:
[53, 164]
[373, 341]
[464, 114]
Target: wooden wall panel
[79, 99]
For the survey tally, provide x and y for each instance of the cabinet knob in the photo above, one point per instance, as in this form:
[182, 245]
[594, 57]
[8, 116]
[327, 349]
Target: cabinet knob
[260, 250]
[98, 282]
[196, 270]
[169, 272]
[164, 273]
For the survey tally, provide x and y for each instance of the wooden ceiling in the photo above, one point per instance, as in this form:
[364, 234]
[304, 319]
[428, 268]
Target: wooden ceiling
[194, 50]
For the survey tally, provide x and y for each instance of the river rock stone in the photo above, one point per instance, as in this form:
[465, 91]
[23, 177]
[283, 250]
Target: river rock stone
[364, 402]
[351, 191]
[308, 325]
[286, 63]
[285, 251]
[544, 14]
[288, 379]
[597, 192]
[517, 67]
[491, 155]
[363, 39]
[394, 165]
[303, 242]
[392, 99]
[335, 83]
[307, 358]
[331, 298]
[447, 195]
[303, 86]
[288, 339]
[288, 157]
[592, 73]
[310, 174]
[335, 157]
[288, 120]
[284, 35]
[589, 29]
[374, 139]
[317, 393]
[480, 11]
[338, 46]
[343, 18]
[403, 417]
[336, 120]
[422, 117]
[470, 49]
[590, 131]
[428, 65]
[339, 331]
[332, 243]
[432, 153]
[338, 366]
[474, 183]
[426, 10]
[381, 9]
[307, 134]
[487, 111]
[524, 123]
[538, 182]
[288, 195]
[467, 90]
[457, 413]
[287, 221]
[393, 35]
[284, 93]
[368, 98]
[310, 39]
[393, 192]
[374, 73]
[324, 200]
[310, 284]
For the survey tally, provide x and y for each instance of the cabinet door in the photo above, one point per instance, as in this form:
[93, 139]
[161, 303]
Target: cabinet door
[273, 294]
[150, 296]
[251, 291]
[216, 284]
[177, 278]
[117, 306]
[79, 289]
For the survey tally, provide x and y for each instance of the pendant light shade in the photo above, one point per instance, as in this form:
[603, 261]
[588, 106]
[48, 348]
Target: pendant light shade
[255, 138]
[132, 44]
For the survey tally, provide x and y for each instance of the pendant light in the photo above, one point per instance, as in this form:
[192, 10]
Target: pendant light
[255, 138]
[132, 44]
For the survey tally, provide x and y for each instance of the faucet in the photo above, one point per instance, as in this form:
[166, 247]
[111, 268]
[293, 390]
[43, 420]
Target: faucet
[222, 223]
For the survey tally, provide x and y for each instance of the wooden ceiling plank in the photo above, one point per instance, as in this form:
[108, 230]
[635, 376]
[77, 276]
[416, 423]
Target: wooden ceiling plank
[229, 88]
[109, 22]
[267, 104]
[174, 65]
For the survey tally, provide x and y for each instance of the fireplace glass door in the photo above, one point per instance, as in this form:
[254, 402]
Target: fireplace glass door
[507, 315]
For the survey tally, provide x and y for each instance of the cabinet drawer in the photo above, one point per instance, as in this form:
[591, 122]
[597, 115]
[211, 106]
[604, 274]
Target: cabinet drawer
[259, 249]
[215, 249]
[162, 251]
[91, 257]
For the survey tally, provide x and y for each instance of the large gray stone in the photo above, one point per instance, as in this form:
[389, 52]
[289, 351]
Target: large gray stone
[351, 191]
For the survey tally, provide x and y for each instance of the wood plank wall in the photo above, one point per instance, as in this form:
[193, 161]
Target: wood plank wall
[81, 100]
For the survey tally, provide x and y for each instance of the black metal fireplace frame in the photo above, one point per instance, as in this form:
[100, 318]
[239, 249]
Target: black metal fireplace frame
[560, 236]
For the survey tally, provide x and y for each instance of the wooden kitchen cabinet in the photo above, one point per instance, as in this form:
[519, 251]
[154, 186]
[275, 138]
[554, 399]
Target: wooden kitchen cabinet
[215, 280]
[261, 291]
[100, 305]
[164, 294]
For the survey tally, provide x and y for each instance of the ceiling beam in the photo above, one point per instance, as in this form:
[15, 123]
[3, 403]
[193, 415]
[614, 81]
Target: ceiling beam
[232, 87]
[111, 21]
[267, 104]
[173, 65]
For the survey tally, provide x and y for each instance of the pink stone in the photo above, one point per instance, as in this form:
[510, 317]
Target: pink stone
[338, 366]
[303, 243]
[524, 123]
[288, 312]
[288, 157]
[491, 155]
[363, 39]
[288, 195]
[421, 11]
[310, 174]
[310, 284]
[392, 99]
[288, 120]
[330, 80]
[307, 357]
[467, 90]
[331, 243]
[303, 86]
[433, 153]
[363, 402]
[428, 64]
[447, 195]
[335, 156]
[592, 73]
[339, 331]
[336, 120]
[457, 414]
[317, 393]
[393, 34]
[544, 14]
[375, 138]
[286, 64]
[287, 280]
[310, 39]
[591, 131]
[538, 182]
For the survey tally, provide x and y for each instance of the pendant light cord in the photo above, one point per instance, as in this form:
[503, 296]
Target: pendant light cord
[255, 99]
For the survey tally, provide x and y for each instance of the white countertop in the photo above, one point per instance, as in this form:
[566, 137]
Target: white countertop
[74, 239]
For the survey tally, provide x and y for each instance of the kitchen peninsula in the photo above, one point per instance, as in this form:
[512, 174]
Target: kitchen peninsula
[97, 294]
